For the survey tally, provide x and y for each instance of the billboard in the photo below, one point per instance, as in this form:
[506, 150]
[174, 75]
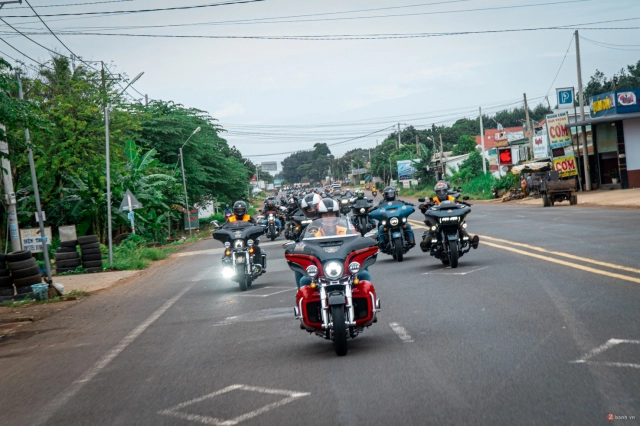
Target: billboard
[540, 146]
[559, 135]
[269, 166]
[565, 166]
[406, 169]
[278, 182]
[565, 97]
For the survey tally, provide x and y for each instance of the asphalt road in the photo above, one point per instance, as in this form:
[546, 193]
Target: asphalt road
[520, 333]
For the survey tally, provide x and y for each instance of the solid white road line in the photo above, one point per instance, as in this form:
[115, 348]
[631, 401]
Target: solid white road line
[401, 332]
[56, 404]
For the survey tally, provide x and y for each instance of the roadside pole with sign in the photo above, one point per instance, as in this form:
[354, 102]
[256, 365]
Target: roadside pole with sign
[566, 100]
[561, 143]
[129, 204]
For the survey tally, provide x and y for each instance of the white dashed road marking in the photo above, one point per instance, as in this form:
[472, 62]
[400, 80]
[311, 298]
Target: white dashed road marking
[401, 332]
[600, 349]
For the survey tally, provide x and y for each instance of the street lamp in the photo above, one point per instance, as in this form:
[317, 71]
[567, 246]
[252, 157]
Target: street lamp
[107, 107]
[184, 181]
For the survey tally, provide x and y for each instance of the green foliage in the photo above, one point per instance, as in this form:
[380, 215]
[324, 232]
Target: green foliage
[507, 182]
[465, 145]
[133, 254]
[313, 165]
[627, 79]
[469, 169]
[479, 187]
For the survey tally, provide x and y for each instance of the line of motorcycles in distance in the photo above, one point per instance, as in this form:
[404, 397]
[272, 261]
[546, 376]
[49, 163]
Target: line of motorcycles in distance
[338, 303]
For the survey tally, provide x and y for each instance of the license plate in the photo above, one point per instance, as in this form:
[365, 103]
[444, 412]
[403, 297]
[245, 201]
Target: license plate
[396, 235]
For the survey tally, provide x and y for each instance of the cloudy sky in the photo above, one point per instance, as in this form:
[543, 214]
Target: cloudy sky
[351, 78]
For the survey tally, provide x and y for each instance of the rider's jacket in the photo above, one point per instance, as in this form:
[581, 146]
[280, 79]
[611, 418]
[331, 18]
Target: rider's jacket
[340, 230]
[437, 201]
[245, 218]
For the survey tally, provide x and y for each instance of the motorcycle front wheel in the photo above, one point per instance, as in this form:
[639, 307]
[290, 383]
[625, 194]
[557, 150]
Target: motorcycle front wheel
[244, 282]
[398, 253]
[453, 255]
[339, 330]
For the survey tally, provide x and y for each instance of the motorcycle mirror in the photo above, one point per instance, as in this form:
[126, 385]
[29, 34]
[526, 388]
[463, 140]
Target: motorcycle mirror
[422, 200]
[287, 244]
[466, 197]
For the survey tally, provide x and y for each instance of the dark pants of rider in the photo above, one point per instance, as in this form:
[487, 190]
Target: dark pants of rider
[364, 275]
[257, 255]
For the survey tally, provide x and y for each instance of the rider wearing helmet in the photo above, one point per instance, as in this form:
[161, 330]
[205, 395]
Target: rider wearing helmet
[240, 215]
[227, 210]
[270, 207]
[332, 225]
[389, 197]
[442, 193]
[309, 205]
[360, 200]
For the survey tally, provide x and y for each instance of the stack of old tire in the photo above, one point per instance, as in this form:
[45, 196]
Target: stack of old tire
[6, 280]
[91, 256]
[24, 272]
[67, 258]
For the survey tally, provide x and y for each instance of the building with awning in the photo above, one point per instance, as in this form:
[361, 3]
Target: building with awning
[614, 156]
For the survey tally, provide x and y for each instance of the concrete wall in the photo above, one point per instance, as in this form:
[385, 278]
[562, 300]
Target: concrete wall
[632, 147]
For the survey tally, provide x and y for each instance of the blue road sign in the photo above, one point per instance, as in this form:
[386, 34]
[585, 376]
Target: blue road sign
[565, 97]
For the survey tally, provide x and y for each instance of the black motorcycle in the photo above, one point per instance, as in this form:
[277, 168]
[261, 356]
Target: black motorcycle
[239, 261]
[345, 204]
[271, 229]
[446, 238]
[360, 215]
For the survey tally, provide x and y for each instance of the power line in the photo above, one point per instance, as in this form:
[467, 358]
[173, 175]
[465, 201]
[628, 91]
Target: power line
[127, 12]
[561, 64]
[22, 53]
[45, 24]
[624, 47]
[75, 4]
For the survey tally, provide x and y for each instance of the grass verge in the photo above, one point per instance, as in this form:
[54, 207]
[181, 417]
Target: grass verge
[73, 295]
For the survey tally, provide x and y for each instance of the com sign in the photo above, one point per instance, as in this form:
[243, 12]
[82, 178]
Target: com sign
[565, 97]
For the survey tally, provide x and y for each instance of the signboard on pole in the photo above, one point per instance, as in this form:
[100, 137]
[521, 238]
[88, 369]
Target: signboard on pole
[129, 200]
[278, 182]
[358, 171]
[559, 135]
[540, 146]
[565, 97]
[193, 218]
[269, 166]
[406, 184]
[32, 240]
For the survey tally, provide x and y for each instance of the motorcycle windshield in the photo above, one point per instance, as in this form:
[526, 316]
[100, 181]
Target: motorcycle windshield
[330, 228]
[392, 210]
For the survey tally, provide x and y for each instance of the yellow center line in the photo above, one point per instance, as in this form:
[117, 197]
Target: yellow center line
[568, 264]
[558, 261]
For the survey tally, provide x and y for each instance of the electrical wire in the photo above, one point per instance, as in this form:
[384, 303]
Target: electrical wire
[52, 33]
[75, 4]
[561, 64]
[24, 54]
[624, 47]
[127, 12]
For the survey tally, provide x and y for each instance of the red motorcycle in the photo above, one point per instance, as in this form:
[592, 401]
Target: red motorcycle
[336, 305]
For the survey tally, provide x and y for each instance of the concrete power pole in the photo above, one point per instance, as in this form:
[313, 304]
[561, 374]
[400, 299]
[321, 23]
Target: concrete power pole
[146, 100]
[441, 157]
[484, 164]
[9, 195]
[529, 129]
[417, 146]
[585, 150]
[399, 137]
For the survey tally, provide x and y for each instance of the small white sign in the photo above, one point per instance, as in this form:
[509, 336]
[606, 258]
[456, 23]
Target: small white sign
[32, 240]
[44, 216]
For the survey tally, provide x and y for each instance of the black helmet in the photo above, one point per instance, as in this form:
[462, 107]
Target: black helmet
[441, 189]
[389, 193]
[270, 203]
[240, 208]
[309, 205]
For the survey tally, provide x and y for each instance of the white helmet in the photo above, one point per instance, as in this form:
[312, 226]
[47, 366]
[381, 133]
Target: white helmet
[309, 205]
[329, 205]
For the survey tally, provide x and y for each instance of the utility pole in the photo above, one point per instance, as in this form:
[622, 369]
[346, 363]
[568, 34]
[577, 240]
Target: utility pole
[146, 100]
[529, 129]
[108, 161]
[399, 140]
[36, 192]
[484, 164]
[9, 195]
[585, 150]
[417, 146]
[184, 184]
[441, 157]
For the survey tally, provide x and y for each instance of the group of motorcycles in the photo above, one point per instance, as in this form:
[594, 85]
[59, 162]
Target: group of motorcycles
[337, 305]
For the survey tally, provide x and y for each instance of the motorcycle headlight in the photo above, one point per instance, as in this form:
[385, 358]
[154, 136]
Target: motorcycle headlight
[272, 219]
[249, 243]
[238, 244]
[434, 227]
[393, 221]
[333, 269]
[312, 271]
[344, 201]
[362, 210]
[354, 267]
[228, 272]
[306, 222]
[404, 220]
[227, 244]
[384, 222]
[464, 225]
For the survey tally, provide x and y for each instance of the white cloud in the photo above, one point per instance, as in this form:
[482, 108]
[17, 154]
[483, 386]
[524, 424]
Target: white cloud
[229, 111]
